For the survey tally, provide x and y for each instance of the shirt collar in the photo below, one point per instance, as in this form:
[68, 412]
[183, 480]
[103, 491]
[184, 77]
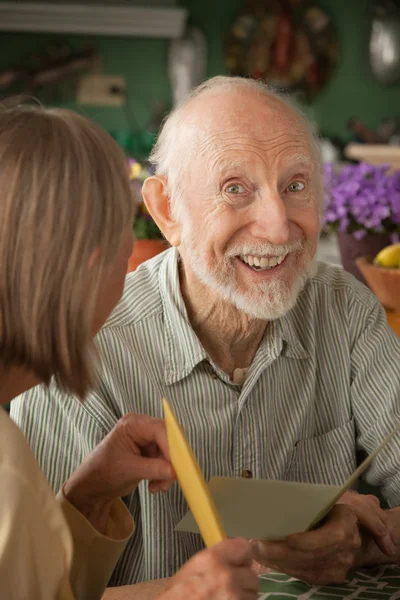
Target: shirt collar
[183, 350]
[292, 330]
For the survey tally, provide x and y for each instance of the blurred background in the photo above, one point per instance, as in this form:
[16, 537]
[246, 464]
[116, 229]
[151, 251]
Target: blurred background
[127, 63]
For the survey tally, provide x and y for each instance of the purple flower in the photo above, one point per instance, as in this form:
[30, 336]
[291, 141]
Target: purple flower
[362, 198]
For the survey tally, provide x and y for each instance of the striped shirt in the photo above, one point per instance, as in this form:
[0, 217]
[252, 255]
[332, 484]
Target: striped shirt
[325, 383]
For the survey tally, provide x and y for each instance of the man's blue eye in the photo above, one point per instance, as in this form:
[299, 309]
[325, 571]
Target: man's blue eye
[235, 188]
[296, 186]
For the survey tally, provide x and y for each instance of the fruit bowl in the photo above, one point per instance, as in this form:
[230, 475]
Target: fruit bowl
[384, 282]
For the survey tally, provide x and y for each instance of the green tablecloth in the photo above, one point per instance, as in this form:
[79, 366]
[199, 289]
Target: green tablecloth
[382, 583]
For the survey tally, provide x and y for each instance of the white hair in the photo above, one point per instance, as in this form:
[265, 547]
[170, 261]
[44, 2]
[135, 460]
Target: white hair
[168, 156]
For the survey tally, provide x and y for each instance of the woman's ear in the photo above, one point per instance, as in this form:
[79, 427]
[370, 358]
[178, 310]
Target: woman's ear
[156, 198]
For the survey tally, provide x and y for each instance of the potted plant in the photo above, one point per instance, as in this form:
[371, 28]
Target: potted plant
[362, 204]
[149, 240]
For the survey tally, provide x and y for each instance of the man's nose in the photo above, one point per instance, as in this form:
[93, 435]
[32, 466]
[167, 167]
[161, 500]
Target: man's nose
[270, 219]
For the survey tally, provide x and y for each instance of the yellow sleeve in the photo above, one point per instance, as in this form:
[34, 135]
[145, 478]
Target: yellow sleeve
[33, 559]
[95, 555]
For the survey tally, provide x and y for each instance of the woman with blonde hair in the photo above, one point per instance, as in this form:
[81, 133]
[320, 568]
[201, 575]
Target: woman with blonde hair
[66, 213]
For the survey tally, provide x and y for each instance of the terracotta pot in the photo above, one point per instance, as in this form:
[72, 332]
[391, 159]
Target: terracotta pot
[144, 250]
[385, 283]
[351, 249]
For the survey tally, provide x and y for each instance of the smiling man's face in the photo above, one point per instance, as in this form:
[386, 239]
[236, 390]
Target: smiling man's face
[250, 218]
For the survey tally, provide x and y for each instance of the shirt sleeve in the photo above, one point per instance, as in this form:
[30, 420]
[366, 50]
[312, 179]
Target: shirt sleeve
[60, 430]
[375, 395]
[33, 560]
[95, 555]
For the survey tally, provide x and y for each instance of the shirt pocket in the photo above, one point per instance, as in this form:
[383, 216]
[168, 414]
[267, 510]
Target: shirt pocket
[329, 458]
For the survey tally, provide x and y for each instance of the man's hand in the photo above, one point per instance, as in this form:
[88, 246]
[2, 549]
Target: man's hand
[373, 519]
[371, 554]
[135, 449]
[322, 556]
[223, 571]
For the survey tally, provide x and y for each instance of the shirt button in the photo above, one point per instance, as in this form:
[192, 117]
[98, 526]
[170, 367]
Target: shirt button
[247, 474]
[214, 375]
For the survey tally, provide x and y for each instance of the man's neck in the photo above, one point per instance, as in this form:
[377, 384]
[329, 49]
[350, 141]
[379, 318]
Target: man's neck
[229, 336]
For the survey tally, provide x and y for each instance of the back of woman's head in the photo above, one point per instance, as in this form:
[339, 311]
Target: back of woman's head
[64, 198]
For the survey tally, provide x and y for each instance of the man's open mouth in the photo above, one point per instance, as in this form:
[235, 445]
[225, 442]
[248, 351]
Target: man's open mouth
[262, 263]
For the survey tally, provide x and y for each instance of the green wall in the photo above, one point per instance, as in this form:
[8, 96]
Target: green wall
[351, 92]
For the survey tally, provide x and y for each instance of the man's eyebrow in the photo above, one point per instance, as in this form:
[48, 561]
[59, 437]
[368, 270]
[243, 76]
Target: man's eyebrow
[226, 165]
[300, 158]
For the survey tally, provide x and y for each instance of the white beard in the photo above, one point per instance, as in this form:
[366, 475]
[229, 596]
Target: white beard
[267, 300]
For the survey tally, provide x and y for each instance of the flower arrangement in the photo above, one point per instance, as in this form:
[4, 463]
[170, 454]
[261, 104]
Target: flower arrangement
[144, 226]
[362, 199]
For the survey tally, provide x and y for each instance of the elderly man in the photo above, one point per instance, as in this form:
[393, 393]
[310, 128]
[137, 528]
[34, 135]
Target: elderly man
[278, 368]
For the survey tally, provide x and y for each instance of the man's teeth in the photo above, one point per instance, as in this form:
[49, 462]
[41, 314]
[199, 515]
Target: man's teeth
[262, 262]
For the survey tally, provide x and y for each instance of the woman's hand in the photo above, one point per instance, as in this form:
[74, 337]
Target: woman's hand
[135, 449]
[224, 571]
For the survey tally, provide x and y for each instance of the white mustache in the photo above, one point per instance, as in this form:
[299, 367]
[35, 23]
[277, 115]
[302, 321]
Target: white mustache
[264, 249]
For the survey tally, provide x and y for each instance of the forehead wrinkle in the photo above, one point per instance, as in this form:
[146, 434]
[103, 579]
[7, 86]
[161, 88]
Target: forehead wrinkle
[299, 157]
[212, 140]
[220, 142]
[217, 116]
[218, 160]
[218, 164]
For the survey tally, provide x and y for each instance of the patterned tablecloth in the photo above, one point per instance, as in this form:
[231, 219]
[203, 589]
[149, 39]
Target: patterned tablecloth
[381, 583]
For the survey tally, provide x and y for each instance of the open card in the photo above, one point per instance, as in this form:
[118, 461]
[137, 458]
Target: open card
[272, 510]
[264, 510]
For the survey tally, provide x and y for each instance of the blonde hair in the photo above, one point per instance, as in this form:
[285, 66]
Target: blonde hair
[64, 194]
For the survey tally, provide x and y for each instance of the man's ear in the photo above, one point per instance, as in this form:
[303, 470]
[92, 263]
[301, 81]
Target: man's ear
[156, 198]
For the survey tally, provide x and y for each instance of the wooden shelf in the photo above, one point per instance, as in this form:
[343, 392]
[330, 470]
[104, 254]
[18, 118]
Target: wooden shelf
[93, 19]
[376, 154]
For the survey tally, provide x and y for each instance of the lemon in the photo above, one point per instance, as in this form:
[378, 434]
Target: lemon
[389, 257]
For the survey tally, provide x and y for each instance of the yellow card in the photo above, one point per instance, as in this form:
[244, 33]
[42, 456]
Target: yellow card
[192, 481]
